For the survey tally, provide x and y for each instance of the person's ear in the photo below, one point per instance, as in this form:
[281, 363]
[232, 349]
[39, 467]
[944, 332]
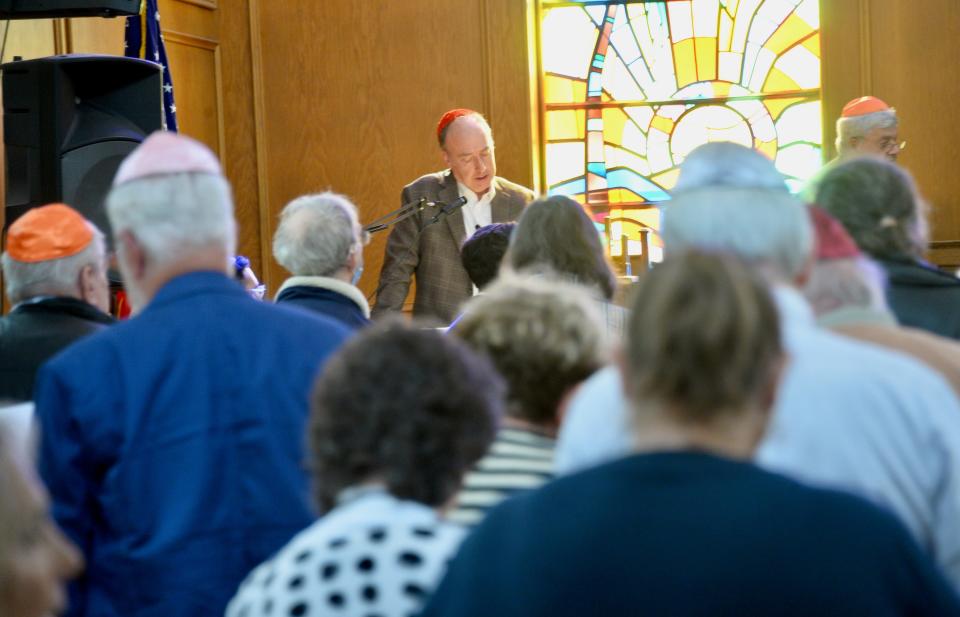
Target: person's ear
[88, 283]
[132, 253]
[353, 257]
[446, 158]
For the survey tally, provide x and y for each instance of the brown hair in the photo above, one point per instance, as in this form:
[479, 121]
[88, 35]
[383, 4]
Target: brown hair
[543, 336]
[555, 233]
[703, 337]
[878, 204]
[408, 406]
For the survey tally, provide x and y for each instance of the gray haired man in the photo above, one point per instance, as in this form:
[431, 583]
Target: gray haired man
[54, 269]
[867, 126]
[320, 241]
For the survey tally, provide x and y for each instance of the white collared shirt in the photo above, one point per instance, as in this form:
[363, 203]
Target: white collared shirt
[477, 211]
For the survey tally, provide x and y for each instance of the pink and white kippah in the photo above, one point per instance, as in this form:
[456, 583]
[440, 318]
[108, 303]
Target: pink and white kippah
[164, 153]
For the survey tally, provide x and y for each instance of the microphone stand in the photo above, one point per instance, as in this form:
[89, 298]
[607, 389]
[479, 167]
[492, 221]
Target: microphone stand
[406, 211]
[403, 212]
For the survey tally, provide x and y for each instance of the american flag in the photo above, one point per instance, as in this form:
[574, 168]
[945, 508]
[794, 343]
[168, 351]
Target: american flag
[143, 40]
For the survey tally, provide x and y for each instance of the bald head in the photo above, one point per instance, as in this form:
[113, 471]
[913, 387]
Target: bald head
[467, 148]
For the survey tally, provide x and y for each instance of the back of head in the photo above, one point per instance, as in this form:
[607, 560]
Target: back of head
[878, 205]
[36, 559]
[171, 194]
[734, 200]
[841, 277]
[482, 253]
[555, 234]
[703, 338]
[316, 234]
[411, 408]
[543, 336]
[47, 248]
[846, 283]
[726, 164]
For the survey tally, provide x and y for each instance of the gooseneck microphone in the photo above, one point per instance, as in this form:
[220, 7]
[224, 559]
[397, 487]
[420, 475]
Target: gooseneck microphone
[447, 209]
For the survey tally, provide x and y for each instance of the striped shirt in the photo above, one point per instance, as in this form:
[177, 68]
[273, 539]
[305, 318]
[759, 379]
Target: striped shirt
[518, 460]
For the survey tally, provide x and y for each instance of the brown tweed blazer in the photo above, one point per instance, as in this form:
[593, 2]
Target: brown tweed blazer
[432, 253]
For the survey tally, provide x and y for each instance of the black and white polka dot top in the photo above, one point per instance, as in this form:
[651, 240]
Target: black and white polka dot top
[373, 556]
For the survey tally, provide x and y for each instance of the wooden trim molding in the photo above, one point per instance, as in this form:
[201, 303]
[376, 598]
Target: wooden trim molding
[945, 253]
[485, 45]
[259, 119]
[191, 40]
[866, 74]
[206, 4]
[62, 39]
[200, 42]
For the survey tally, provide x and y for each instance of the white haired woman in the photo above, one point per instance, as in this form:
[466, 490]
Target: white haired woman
[36, 559]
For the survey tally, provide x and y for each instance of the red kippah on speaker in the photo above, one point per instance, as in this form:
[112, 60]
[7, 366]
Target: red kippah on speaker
[449, 117]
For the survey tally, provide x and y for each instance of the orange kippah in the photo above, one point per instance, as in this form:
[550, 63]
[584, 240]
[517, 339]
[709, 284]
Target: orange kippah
[449, 117]
[832, 239]
[48, 232]
[863, 106]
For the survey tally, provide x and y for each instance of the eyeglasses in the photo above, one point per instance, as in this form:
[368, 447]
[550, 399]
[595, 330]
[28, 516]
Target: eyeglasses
[888, 144]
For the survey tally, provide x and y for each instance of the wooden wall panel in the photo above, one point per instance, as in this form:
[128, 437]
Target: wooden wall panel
[30, 38]
[96, 36]
[906, 55]
[239, 153]
[204, 69]
[511, 80]
[196, 62]
[352, 91]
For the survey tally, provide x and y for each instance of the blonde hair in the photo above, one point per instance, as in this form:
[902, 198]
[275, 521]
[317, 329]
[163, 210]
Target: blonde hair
[703, 337]
[543, 335]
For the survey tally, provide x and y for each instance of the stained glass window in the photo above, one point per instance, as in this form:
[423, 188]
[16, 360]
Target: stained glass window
[630, 88]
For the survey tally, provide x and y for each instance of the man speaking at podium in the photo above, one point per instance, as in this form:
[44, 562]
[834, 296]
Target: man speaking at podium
[432, 252]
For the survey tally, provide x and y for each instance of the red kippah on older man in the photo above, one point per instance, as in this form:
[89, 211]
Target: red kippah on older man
[868, 126]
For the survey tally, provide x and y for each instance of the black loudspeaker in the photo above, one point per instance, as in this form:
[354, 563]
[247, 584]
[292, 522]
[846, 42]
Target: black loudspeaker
[33, 9]
[68, 123]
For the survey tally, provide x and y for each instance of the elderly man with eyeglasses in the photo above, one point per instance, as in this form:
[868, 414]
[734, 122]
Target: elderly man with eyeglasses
[867, 126]
[320, 241]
